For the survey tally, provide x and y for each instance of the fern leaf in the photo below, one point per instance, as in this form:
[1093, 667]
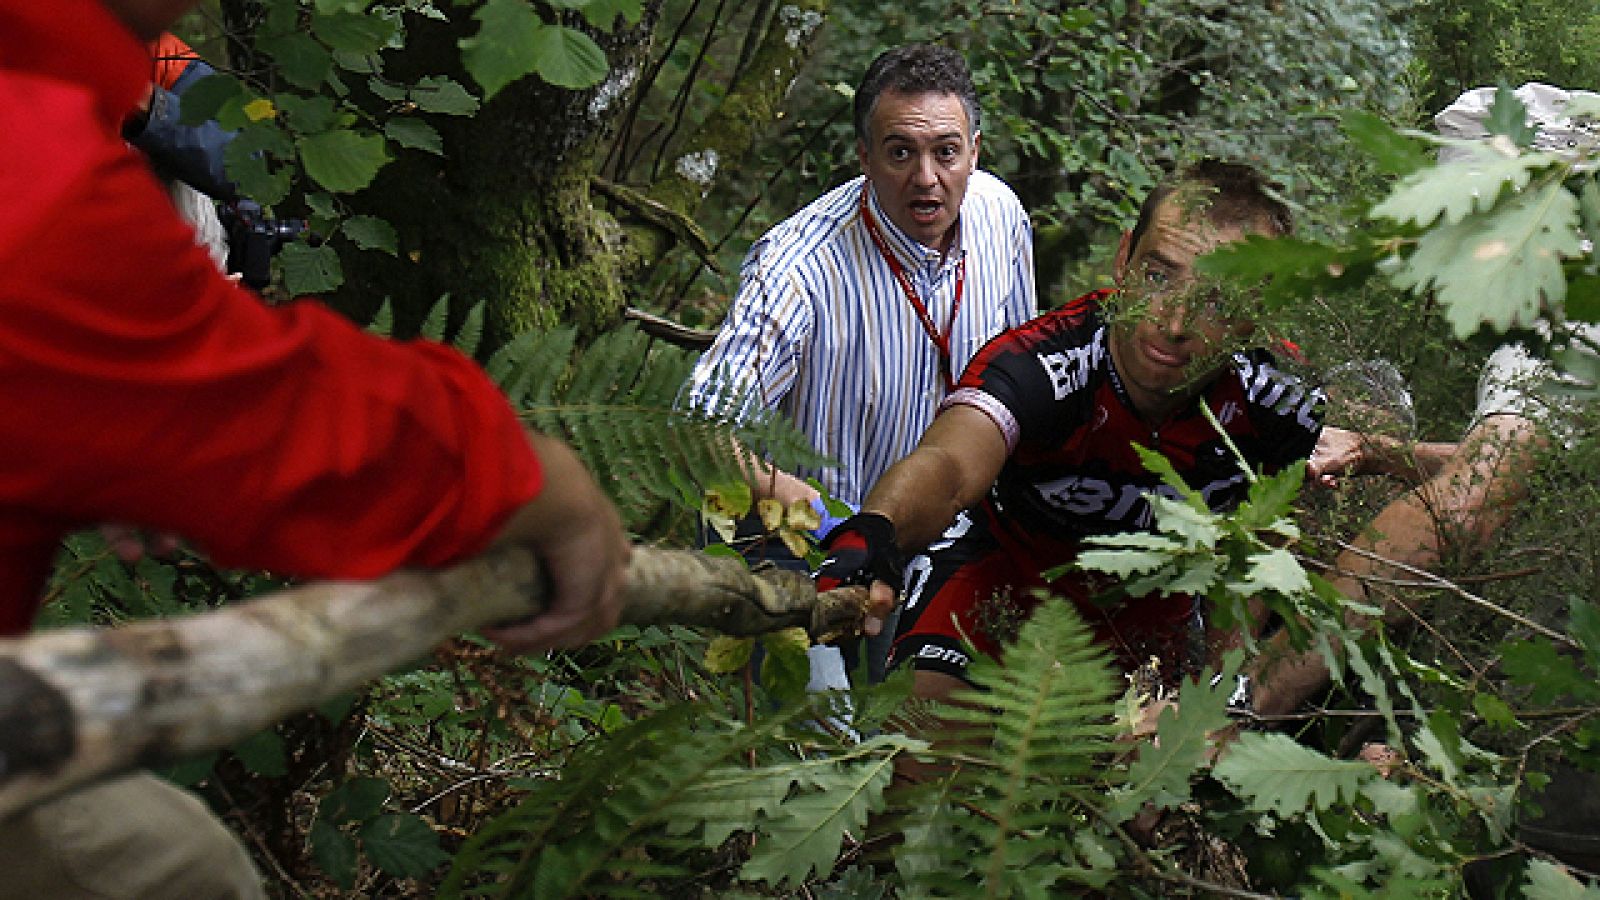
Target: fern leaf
[383, 320]
[433, 326]
[1050, 711]
[1275, 774]
[469, 339]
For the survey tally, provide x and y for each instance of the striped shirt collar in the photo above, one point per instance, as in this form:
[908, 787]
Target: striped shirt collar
[912, 253]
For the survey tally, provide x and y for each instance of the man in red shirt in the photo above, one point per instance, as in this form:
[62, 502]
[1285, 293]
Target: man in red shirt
[141, 386]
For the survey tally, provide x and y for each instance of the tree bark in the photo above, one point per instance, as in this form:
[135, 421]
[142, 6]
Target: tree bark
[82, 704]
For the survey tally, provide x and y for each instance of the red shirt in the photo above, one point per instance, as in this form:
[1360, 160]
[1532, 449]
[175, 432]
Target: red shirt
[138, 385]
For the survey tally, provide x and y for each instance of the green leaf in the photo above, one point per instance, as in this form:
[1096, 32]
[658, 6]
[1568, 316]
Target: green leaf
[342, 160]
[356, 800]
[204, 99]
[248, 161]
[1509, 117]
[1164, 771]
[438, 317]
[262, 753]
[310, 270]
[402, 845]
[334, 6]
[1122, 563]
[729, 799]
[353, 32]
[1193, 576]
[727, 654]
[506, 45]
[415, 134]
[1197, 528]
[786, 669]
[1499, 267]
[1548, 881]
[602, 14]
[302, 61]
[805, 834]
[1584, 626]
[569, 58]
[334, 852]
[189, 772]
[1271, 498]
[309, 114]
[371, 233]
[470, 338]
[1458, 189]
[1273, 570]
[1392, 152]
[1160, 465]
[1583, 299]
[383, 320]
[1494, 711]
[1550, 674]
[443, 95]
[1274, 773]
[1290, 268]
[386, 90]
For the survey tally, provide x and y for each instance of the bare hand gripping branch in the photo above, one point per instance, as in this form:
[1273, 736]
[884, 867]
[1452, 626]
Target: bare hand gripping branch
[77, 705]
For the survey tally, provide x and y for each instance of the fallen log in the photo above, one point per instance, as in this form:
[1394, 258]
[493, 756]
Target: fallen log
[81, 704]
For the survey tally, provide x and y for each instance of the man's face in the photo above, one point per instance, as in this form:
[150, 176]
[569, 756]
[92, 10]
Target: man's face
[148, 18]
[918, 154]
[1175, 339]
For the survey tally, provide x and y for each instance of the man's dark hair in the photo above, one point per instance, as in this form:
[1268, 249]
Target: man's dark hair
[915, 69]
[1234, 194]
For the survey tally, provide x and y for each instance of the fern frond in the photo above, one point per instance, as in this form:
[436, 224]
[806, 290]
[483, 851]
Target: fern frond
[469, 339]
[433, 326]
[383, 320]
[653, 792]
[1050, 710]
[615, 403]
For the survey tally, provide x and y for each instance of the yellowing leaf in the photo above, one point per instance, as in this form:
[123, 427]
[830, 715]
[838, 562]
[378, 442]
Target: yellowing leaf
[728, 654]
[771, 512]
[727, 500]
[801, 516]
[795, 541]
[259, 109]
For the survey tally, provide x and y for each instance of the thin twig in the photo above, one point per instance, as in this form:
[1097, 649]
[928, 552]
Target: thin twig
[1428, 579]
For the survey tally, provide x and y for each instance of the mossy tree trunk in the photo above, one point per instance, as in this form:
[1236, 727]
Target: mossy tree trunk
[509, 215]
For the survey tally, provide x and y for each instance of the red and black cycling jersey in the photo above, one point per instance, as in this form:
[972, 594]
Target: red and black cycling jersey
[1070, 427]
[1072, 471]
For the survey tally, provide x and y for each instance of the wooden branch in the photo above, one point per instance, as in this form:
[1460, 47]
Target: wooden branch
[665, 329]
[81, 704]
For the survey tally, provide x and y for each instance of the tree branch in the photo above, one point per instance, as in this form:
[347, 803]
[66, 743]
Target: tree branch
[81, 704]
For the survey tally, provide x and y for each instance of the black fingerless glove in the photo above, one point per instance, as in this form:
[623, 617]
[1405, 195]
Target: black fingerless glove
[861, 550]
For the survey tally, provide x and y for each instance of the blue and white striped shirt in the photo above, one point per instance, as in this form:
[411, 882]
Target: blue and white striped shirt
[821, 331]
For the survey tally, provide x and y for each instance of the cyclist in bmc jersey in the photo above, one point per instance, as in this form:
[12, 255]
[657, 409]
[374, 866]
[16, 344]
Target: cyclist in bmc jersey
[1034, 449]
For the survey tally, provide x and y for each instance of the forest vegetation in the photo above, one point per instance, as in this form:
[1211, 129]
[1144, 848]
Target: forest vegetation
[531, 181]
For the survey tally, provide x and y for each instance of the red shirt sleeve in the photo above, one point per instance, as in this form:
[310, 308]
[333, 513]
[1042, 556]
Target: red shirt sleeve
[141, 386]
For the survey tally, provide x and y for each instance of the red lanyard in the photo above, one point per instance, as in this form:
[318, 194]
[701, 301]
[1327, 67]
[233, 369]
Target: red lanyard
[941, 342]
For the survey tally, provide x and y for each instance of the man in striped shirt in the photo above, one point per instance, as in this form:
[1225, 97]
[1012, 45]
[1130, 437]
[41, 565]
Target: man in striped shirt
[855, 315]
